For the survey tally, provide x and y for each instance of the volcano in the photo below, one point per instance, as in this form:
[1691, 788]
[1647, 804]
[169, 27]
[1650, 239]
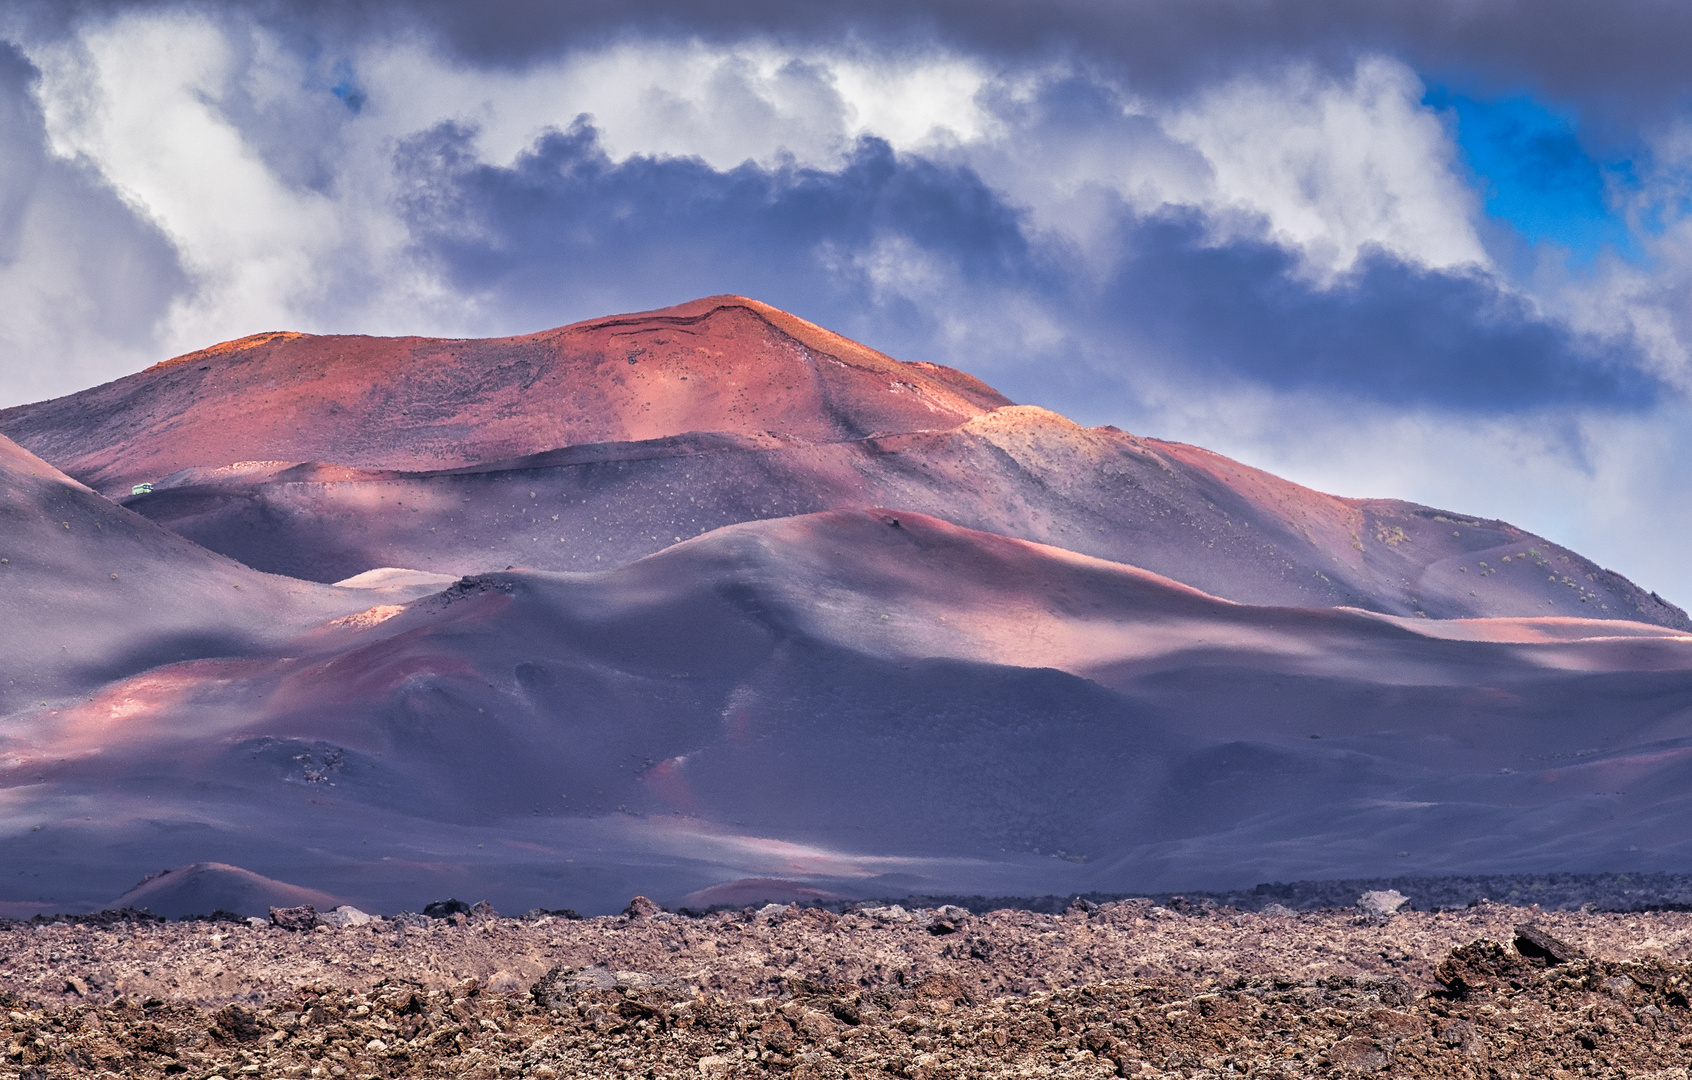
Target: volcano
[595, 444]
[723, 363]
[541, 620]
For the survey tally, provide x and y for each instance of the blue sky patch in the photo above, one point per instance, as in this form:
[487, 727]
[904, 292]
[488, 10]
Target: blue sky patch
[346, 88]
[1535, 175]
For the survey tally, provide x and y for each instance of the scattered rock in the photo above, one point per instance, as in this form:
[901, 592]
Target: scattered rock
[941, 986]
[1479, 965]
[1356, 1053]
[76, 986]
[346, 915]
[1463, 1036]
[641, 980]
[537, 914]
[1116, 991]
[1381, 904]
[1389, 1026]
[236, 1024]
[641, 908]
[446, 909]
[1536, 944]
[303, 917]
[551, 991]
[504, 982]
[949, 919]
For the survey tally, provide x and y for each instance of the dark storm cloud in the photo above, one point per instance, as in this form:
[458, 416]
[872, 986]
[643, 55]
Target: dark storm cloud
[1622, 60]
[114, 274]
[1389, 330]
[567, 221]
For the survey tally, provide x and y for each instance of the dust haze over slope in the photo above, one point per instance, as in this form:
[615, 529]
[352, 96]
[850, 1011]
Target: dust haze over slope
[873, 702]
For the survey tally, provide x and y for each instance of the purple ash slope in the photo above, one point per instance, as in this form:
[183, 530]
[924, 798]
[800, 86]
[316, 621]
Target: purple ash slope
[90, 592]
[868, 702]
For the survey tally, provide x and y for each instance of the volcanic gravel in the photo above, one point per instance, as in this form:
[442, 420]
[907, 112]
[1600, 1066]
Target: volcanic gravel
[1126, 989]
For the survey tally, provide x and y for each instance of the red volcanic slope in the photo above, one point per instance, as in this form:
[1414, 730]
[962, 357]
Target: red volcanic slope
[608, 440]
[724, 363]
[1019, 471]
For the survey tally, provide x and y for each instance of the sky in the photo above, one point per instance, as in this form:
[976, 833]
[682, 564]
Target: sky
[1439, 250]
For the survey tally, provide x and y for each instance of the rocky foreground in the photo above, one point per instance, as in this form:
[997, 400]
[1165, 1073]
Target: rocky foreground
[1124, 989]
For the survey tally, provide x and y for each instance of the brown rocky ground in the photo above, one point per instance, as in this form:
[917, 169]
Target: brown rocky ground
[1127, 989]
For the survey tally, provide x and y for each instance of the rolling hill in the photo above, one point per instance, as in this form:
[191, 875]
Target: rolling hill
[866, 702]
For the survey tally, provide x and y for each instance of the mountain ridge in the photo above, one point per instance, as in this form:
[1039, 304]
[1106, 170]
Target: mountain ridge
[1101, 492]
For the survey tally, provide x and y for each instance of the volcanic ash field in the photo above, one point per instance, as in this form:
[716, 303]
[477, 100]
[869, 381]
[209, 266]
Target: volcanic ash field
[1123, 989]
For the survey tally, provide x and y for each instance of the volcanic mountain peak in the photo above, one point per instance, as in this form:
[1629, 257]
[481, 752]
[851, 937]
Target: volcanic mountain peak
[324, 457]
[723, 364]
[228, 348]
[816, 338]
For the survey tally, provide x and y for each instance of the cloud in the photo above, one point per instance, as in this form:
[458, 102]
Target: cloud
[1162, 216]
[1626, 61]
[749, 100]
[85, 275]
[1336, 163]
[903, 236]
[1388, 330]
[183, 116]
[567, 220]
